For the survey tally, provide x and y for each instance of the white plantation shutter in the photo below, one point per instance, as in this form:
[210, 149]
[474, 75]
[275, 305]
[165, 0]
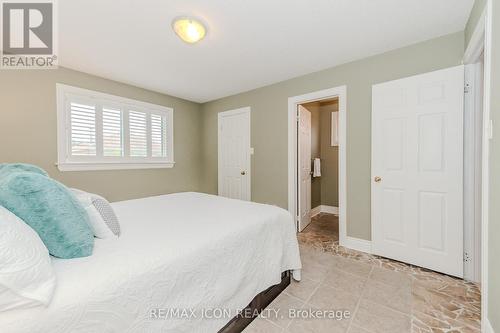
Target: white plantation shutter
[112, 132]
[158, 135]
[98, 131]
[83, 129]
[138, 134]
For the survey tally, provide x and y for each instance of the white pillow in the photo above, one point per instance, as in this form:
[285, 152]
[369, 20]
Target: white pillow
[27, 277]
[97, 223]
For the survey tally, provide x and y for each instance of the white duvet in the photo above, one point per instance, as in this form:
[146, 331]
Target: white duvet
[178, 251]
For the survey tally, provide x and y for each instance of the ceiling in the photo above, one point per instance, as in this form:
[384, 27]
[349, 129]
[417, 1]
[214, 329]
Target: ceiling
[250, 43]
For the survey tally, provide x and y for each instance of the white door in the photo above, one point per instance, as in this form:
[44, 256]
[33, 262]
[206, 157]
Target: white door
[304, 153]
[417, 170]
[234, 154]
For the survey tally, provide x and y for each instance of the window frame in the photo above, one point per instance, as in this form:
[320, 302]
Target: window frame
[68, 162]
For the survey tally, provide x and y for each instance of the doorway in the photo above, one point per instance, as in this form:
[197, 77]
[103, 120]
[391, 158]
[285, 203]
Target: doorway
[318, 170]
[314, 193]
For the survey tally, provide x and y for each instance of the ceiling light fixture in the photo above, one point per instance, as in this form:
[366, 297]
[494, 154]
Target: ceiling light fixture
[189, 29]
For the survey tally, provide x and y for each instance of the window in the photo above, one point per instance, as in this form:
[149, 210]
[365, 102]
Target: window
[98, 131]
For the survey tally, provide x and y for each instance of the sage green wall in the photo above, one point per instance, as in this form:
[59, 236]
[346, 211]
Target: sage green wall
[494, 213]
[329, 159]
[475, 15]
[28, 122]
[270, 122]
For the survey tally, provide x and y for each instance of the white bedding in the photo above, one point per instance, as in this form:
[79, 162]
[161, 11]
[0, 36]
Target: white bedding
[184, 250]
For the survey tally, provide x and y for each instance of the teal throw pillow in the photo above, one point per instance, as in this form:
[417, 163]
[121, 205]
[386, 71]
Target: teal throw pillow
[51, 210]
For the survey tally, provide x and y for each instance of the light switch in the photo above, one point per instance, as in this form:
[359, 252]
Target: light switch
[251, 151]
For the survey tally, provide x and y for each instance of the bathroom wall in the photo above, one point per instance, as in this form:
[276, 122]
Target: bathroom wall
[329, 158]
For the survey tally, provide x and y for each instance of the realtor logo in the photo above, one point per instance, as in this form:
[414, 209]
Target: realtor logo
[28, 31]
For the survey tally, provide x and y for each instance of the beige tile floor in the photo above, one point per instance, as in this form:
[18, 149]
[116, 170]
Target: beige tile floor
[380, 295]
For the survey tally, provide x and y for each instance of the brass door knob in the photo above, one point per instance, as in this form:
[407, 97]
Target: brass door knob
[243, 173]
[377, 179]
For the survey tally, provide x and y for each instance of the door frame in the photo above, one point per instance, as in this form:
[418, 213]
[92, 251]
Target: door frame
[481, 40]
[473, 112]
[220, 115]
[293, 102]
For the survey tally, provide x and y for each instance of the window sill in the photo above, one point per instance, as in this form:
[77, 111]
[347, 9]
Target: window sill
[113, 166]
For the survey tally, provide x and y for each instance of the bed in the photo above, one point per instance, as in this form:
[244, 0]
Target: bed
[177, 253]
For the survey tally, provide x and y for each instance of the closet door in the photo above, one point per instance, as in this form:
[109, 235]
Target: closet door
[417, 170]
[234, 154]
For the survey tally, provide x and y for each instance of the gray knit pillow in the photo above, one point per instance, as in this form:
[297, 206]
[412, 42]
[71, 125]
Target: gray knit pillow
[107, 213]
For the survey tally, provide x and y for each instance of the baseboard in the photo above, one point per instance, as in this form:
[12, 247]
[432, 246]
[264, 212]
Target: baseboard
[487, 327]
[315, 211]
[357, 244]
[353, 243]
[330, 209]
[324, 209]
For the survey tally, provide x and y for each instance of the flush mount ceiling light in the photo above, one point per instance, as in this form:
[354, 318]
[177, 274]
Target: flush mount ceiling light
[189, 29]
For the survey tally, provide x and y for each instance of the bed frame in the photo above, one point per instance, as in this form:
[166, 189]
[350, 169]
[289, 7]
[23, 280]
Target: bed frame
[259, 303]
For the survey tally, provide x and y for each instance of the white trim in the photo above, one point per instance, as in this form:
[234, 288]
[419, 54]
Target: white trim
[315, 211]
[112, 166]
[358, 244]
[473, 110]
[487, 328]
[485, 164]
[233, 112]
[243, 110]
[476, 43]
[324, 209]
[330, 209]
[66, 162]
[468, 172]
[113, 98]
[341, 93]
[478, 156]
[481, 40]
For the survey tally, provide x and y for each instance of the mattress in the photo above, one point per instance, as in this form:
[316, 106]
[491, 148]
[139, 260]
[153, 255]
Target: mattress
[184, 262]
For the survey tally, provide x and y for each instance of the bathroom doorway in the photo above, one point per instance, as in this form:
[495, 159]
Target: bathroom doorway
[318, 152]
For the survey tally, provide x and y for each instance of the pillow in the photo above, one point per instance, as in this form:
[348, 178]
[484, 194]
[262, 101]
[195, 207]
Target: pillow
[104, 209]
[107, 212]
[7, 168]
[27, 278]
[97, 223]
[51, 210]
